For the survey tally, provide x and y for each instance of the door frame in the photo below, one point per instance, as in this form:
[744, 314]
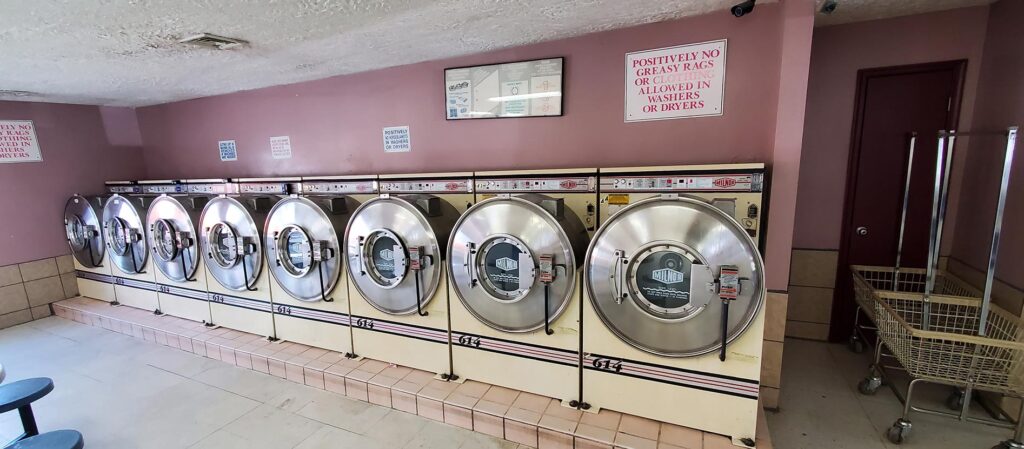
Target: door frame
[842, 304]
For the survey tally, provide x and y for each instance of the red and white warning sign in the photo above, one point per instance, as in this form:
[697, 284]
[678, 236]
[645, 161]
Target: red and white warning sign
[675, 82]
[18, 142]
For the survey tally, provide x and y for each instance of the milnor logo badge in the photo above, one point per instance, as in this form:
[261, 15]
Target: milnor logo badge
[506, 264]
[668, 276]
[387, 254]
[724, 183]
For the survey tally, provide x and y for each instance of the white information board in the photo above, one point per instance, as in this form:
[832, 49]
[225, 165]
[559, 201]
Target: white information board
[397, 139]
[515, 89]
[18, 142]
[676, 82]
[228, 150]
[281, 147]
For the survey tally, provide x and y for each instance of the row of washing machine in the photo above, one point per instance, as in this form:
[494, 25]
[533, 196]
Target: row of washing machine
[634, 289]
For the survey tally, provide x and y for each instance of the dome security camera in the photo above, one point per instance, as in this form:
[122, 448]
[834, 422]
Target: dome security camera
[829, 6]
[743, 8]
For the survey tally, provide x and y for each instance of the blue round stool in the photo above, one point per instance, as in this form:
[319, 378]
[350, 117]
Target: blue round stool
[58, 439]
[20, 395]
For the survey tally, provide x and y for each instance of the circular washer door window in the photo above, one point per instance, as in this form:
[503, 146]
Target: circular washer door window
[295, 251]
[76, 233]
[660, 280]
[223, 245]
[500, 272]
[385, 258]
[119, 239]
[166, 247]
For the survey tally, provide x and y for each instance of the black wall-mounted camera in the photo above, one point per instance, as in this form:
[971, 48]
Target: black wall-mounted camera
[743, 8]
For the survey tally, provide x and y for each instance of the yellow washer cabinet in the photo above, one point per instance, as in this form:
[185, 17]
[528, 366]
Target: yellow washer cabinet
[514, 260]
[174, 243]
[396, 263]
[305, 249]
[674, 321]
[125, 235]
[84, 233]
[231, 233]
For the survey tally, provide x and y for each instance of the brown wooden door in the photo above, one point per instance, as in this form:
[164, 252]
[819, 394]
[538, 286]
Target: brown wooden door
[891, 103]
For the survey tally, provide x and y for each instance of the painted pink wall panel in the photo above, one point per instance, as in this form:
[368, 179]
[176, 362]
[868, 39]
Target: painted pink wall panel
[77, 158]
[838, 53]
[1000, 104]
[795, 61]
[335, 124]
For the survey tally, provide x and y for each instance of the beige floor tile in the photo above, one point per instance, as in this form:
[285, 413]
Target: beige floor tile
[271, 427]
[44, 291]
[344, 413]
[65, 264]
[13, 298]
[10, 274]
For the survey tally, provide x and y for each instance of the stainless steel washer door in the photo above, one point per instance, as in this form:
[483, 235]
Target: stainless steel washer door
[232, 240]
[84, 230]
[303, 248]
[649, 268]
[172, 236]
[125, 232]
[494, 252]
[379, 236]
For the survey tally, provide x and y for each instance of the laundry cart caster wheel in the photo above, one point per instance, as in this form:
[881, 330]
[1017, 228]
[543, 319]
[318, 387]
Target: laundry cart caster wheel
[855, 345]
[955, 401]
[899, 431]
[869, 386]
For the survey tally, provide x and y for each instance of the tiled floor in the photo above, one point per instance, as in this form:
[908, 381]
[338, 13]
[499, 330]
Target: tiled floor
[283, 395]
[821, 408]
[125, 393]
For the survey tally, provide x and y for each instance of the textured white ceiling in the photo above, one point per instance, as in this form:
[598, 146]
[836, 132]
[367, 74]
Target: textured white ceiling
[861, 10]
[125, 52]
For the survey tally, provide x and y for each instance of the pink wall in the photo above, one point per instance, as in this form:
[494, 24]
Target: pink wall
[1000, 103]
[798, 17]
[838, 53]
[77, 158]
[335, 124]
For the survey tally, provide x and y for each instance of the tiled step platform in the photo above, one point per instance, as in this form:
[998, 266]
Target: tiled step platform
[524, 418]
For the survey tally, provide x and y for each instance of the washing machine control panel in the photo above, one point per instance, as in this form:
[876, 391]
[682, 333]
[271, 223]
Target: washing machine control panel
[427, 186]
[752, 182]
[567, 184]
[157, 189]
[342, 187]
[223, 188]
[123, 188]
[267, 188]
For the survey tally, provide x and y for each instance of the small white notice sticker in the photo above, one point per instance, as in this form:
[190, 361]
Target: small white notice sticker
[228, 150]
[396, 139]
[281, 147]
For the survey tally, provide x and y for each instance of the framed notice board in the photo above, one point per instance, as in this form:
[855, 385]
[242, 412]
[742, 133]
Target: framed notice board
[514, 89]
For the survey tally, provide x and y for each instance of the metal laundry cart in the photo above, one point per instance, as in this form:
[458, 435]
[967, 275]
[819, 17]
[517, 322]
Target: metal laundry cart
[939, 329]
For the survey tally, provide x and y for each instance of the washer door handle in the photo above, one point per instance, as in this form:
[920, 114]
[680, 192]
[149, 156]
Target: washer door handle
[617, 276]
[470, 264]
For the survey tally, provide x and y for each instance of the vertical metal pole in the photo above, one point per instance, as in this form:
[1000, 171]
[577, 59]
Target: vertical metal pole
[1004, 183]
[945, 198]
[933, 230]
[903, 214]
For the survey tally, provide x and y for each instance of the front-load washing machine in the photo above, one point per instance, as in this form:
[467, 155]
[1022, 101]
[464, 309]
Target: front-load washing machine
[305, 247]
[124, 229]
[84, 233]
[513, 265]
[231, 234]
[171, 224]
[396, 262]
[674, 321]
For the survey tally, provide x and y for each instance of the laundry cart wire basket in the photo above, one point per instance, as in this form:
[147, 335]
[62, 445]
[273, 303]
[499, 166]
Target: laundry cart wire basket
[938, 328]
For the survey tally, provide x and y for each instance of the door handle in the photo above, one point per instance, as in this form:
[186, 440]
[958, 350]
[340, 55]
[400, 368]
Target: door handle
[470, 263]
[862, 231]
[617, 276]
